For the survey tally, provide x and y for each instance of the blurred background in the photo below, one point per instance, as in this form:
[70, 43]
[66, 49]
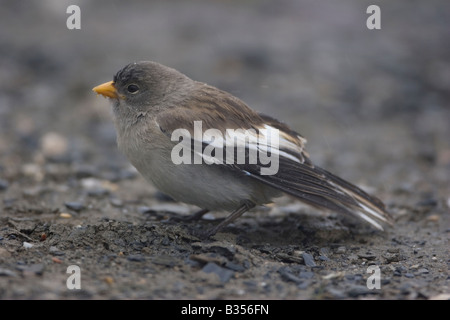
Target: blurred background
[373, 104]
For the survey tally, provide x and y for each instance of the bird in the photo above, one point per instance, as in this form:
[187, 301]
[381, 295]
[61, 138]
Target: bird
[173, 129]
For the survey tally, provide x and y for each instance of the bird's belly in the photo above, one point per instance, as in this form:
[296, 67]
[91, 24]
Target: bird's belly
[207, 186]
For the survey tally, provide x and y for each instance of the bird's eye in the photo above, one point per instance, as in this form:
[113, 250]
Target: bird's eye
[132, 88]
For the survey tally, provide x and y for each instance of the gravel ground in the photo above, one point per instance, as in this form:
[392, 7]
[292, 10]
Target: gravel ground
[374, 105]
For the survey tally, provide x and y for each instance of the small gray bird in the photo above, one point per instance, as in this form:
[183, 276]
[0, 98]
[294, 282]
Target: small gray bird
[157, 111]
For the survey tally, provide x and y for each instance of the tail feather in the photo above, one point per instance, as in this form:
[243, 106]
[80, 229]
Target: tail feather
[320, 188]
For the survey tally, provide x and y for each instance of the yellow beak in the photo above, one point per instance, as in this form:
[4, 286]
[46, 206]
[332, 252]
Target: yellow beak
[107, 90]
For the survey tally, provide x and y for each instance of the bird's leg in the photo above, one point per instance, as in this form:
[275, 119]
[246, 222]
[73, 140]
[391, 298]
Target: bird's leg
[233, 216]
[194, 217]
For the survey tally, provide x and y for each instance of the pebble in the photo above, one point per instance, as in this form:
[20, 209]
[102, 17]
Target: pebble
[289, 258]
[53, 144]
[33, 170]
[97, 188]
[55, 251]
[36, 268]
[7, 273]
[223, 248]
[306, 274]
[223, 274]
[391, 257]
[336, 293]
[234, 266]
[393, 250]
[65, 215]
[136, 257]
[423, 271]
[409, 275]
[287, 275]
[304, 285]
[3, 184]
[433, 218]
[74, 205]
[358, 290]
[308, 259]
[341, 250]
[116, 202]
[165, 260]
[27, 245]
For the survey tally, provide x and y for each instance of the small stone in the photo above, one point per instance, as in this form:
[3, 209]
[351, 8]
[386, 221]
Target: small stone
[334, 275]
[434, 258]
[7, 273]
[27, 245]
[433, 218]
[336, 294]
[136, 257]
[409, 275]
[289, 258]
[358, 290]
[97, 188]
[234, 266]
[74, 205]
[53, 145]
[55, 251]
[223, 274]
[3, 184]
[56, 260]
[304, 285]
[308, 259]
[423, 271]
[165, 260]
[341, 250]
[65, 215]
[116, 202]
[391, 257]
[33, 170]
[37, 268]
[109, 280]
[306, 274]
[287, 275]
[393, 250]
[323, 258]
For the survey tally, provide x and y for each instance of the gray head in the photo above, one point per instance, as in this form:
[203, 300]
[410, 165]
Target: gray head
[147, 85]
